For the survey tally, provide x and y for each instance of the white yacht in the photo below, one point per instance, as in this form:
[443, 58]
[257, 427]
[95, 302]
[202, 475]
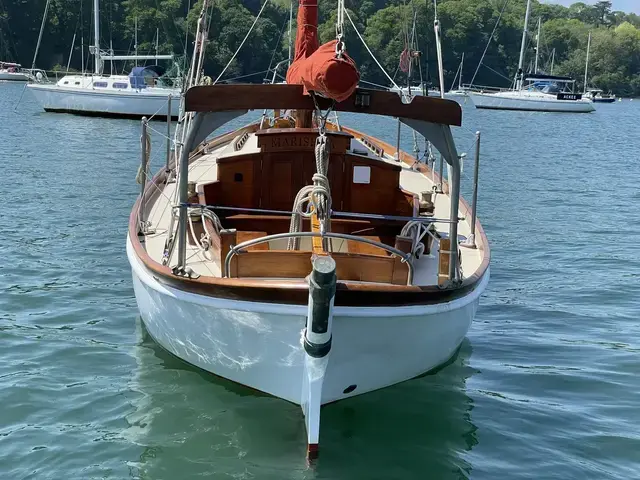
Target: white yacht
[144, 92]
[535, 91]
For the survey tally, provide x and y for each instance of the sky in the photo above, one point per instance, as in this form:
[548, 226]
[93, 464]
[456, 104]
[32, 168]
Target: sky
[623, 5]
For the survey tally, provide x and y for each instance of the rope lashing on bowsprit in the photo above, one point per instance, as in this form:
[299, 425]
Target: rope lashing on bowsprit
[316, 198]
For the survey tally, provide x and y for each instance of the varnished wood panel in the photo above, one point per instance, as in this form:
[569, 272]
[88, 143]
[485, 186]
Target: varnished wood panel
[239, 182]
[217, 98]
[365, 248]
[274, 264]
[295, 264]
[400, 268]
[245, 236]
[379, 195]
[444, 260]
[299, 139]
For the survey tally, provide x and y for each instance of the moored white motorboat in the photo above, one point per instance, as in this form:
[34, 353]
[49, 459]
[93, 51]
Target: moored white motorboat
[596, 95]
[303, 258]
[13, 72]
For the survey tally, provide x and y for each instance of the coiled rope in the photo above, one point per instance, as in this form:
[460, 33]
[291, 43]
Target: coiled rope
[316, 198]
[417, 231]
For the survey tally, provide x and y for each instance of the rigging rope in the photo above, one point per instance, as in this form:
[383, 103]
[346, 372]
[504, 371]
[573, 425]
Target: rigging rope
[275, 50]
[495, 27]
[395, 85]
[243, 40]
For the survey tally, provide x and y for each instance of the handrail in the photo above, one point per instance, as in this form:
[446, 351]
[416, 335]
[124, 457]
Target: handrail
[236, 249]
[334, 214]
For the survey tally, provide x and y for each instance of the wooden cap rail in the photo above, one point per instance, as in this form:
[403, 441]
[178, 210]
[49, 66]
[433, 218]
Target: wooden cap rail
[218, 98]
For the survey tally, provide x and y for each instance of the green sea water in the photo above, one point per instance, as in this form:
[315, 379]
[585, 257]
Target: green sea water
[546, 385]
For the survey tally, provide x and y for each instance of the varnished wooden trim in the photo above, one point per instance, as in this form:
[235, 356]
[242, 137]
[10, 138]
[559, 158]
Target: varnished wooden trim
[296, 292]
[217, 98]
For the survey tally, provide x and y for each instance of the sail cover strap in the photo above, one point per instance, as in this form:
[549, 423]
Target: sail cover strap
[320, 69]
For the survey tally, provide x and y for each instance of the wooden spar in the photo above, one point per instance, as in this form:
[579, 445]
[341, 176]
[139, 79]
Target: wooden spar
[216, 98]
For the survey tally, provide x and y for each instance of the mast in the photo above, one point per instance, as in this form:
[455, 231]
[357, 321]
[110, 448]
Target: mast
[96, 31]
[586, 67]
[553, 59]
[537, 46]
[436, 29]
[519, 73]
[135, 37]
[460, 78]
[44, 20]
[290, 23]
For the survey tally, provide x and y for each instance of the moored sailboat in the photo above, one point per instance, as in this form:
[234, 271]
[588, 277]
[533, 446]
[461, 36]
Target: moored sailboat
[596, 95]
[460, 91]
[534, 92]
[300, 257]
[144, 92]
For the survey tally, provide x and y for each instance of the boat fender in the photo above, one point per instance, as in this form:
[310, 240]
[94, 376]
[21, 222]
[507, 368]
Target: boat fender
[322, 291]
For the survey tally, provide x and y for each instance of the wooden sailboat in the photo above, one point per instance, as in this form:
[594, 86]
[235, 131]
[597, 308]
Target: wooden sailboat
[299, 257]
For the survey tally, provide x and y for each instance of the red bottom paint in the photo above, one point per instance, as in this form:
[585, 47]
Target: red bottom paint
[312, 451]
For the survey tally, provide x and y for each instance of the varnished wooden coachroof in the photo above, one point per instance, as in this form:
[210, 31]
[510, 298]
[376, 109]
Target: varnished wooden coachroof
[217, 98]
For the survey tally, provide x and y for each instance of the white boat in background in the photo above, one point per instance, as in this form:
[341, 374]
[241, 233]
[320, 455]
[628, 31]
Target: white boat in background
[542, 93]
[134, 96]
[534, 92]
[416, 90]
[595, 94]
[460, 91]
[598, 96]
[13, 72]
[144, 92]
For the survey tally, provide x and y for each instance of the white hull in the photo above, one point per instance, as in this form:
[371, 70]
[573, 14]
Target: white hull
[529, 101]
[14, 76]
[259, 344]
[134, 104]
[456, 94]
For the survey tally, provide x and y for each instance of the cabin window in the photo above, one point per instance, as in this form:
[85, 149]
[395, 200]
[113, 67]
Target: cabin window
[120, 85]
[100, 84]
[77, 83]
[362, 174]
[66, 82]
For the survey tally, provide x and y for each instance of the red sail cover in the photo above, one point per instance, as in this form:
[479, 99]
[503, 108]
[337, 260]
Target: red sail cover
[318, 68]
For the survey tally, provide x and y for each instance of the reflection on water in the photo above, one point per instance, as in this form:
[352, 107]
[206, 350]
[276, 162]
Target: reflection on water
[189, 419]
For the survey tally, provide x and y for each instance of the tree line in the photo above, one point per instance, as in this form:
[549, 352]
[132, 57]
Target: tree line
[467, 27]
